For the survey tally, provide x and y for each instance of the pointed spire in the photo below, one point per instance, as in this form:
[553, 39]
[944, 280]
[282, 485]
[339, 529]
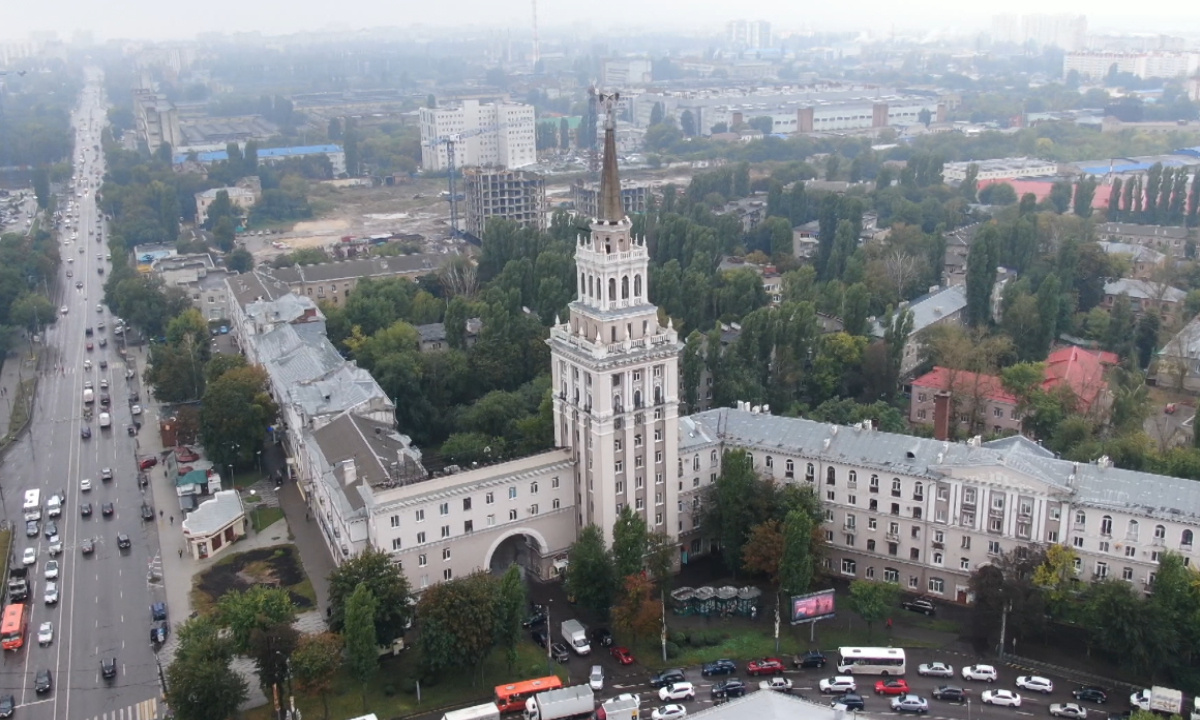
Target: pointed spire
[611, 207]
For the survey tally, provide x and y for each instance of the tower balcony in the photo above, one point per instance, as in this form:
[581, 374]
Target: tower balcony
[562, 333]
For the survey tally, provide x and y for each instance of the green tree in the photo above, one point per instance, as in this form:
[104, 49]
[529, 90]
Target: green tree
[388, 585]
[223, 234]
[656, 114]
[637, 611]
[271, 649]
[969, 188]
[687, 123]
[445, 641]
[41, 186]
[1056, 576]
[239, 261]
[591, 576]
[32, 311]
[1060, 196]
[260, 607]
[872, 600]
[798, 562]
[726, 508]
[234, 415]
[220, 208]
[981, 276]
[201, 682]
[1085, 194]
[362, 654]
[630, 536]
[509, 606]
[314, 664]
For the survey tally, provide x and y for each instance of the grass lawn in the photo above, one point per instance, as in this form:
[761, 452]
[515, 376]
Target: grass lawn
[20, 406]
[263, 517]
[5, 547]
[245, 479]
[276, 565]
[387, 696]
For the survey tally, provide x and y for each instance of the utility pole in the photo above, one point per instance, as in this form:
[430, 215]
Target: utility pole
[662, 600]
[1003, 627]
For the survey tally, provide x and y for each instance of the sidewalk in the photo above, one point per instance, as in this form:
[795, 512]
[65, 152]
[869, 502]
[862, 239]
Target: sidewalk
[314, 553]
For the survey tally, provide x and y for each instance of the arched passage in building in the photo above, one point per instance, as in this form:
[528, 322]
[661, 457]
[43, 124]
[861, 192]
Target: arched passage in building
[524, 546]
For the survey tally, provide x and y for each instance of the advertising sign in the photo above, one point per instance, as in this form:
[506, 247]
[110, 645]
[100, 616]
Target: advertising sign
[811, 607]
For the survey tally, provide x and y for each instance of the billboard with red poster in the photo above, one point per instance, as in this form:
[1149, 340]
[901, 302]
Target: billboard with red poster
[812, 607]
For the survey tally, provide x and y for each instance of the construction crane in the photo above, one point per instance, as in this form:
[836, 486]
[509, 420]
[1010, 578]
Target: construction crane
[451, 169]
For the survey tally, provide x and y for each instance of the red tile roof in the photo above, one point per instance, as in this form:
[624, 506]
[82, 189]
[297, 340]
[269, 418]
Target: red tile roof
[1041, 190]
[1082, 370]
[969, 383]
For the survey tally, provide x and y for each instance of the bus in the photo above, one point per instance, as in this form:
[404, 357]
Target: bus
[512, 697]
[33, 504]
[12, 630]
[871, 661]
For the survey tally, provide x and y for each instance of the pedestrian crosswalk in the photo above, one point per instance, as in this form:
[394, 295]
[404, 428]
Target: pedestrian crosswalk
[145, 710]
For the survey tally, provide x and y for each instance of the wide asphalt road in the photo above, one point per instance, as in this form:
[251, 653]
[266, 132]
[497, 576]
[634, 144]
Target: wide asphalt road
[104, 607]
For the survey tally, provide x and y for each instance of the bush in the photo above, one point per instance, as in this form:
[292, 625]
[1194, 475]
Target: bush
[410, 686]
[678, 637]
[389, 689]
[672, 650]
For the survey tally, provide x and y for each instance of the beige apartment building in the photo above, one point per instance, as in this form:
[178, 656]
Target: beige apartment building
[333, 282]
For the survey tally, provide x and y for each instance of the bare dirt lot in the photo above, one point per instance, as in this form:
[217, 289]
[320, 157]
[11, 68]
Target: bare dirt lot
[277, 566]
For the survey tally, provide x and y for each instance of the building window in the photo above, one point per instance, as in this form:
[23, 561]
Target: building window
[444, 509]
[554, 483]
[468, 526]
[914, 554]
[420, 516]
[1077, 541]
[872, 524]
[1080, 520]
[555, 503]
[810, 473]
[1131, 533]
[937, 559]
[849, 567]
[640, 503]
[445, 554]
[447, 574]
[874, 483]
[658, 518]
[1185, 539]
[491, 520]
[896, 487]
[421, 538]
[512, 493]
[422, 560]
[445, 531]
[620, 466]
[830, 476]
[993, 547]
[1127, 574]
[891, 575]
[831, 495]
[914, 582]
[1130, 551]
[533, 509]
[789, 468]
[937, 586]
[873, 504]
[466, 503]
[617, 444]
[964, 564]
[489, 498]
[512, 514]
[1101, 569]
[965, 544]
[1106, 526]
[918, 492]
[533, 488]
[395, 543]
[395, 521]
[658, 435]
[870, 545]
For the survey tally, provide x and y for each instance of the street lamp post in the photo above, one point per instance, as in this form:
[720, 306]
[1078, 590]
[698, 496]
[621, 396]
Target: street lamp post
[258, 456]
[549, 604]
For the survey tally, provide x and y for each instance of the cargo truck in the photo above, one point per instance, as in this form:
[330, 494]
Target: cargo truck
[575, 635]
[577, 701]
[622, 707]
[1158, 699]
[478, 712]
[18, 584]
[1196, 708]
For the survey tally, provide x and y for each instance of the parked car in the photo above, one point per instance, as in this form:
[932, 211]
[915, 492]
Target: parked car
[851, 701]
[728, 688]
[921, 605]
[677, 691]
[8, 704]
[51, 570]
[765, 666]
[723, 666]
[158, 633]
[622, 655]
[810, 659]
[1007, 698]
[667, 677]
[596, 678]
[950, 693]
[147, 463]
[538, 635]
[1035, 683]
[910, 703]
[51, 594]
[1091, 694]
[891, 686]
[986, 673]
[85, 509]
[559, 652]
[32, 529]
[123, 541]
[600, 637]
[1072, 711]
[936, 669]
[106, 509]
[838, 684]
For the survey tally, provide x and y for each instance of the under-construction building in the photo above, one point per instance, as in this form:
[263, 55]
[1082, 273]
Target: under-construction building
[586, 197]
[517, 195]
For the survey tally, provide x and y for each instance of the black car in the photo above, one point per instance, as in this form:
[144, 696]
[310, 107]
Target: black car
[719, 667]
[8, 704]
[105, 400]
[730, 688]
[106, 509]
[920, 604]
[158, 611]
[147, 512]
[666, 677]
[538, 635]
[537, 619]
[42, 682]
[158, 633]
[108, 668]
[560, 653]
[1091, 694]
[123, 541]
[51, 529]
[87, 331]
[85, 509]
[85, 432]
[950, 693]
[852, 701]
[600, 637]
[810, 659]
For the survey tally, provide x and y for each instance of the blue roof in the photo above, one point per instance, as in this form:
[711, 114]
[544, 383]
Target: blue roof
[218, 155]
[1189, 151]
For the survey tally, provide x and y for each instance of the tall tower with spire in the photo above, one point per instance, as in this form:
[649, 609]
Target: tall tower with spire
[616, 372]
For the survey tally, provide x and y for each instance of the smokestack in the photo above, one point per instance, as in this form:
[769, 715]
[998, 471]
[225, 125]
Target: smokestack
[941, 415]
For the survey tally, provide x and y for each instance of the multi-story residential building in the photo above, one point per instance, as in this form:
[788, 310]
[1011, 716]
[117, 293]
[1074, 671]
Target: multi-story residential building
[1000, 169]
[748, 34]
[1146, 296]
[941, 306]
[1144, 262]
[499, 134]
[1096, 64]
[586, 197]
[1068, 32]
[627, 72]
[242, 196]
[333, 282]
[200, 278]
[516, 195]
[1169, 240]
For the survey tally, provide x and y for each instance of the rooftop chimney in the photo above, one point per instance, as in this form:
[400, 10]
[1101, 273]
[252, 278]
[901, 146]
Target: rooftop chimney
[941, 415]
[349, 472]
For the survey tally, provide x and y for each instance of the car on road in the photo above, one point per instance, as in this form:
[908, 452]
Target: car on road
[949, 693]
[724, 666]
[106, 474]
[158, 633]
[103, 383]
[90, 347]
[104, 343]
[777, 683]
[158, 611]
[669, 712]
[600, 637]
[892, 686]
[622, 655]
[1091, 693]
[78, 286]
[51, 572]
[54, 505]
[559, 652]
[108, 668]
[51, 594]
[87, 365]
[910, 703]
[986, 673]
[729, 688]
[810, 659]
[30, 556]
[106, 509]
[32, 529]
[85, 432]
[677, 691]
[765, 666]
[99, 307]
[85, 485]
[921, 605]
[936, 669]
[8, 704]
[850, 700]
[1007, 698]
[147, 512]
[87, 546]
[43, 681]
[185, 454]
[666, 677]
[838, 684]
[123, 541]
[1035, 683]
[85, 510]
[1071, 711]
[45, 633]
[63, 309]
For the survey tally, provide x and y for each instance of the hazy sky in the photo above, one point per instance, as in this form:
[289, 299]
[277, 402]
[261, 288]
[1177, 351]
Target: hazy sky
[164, 19]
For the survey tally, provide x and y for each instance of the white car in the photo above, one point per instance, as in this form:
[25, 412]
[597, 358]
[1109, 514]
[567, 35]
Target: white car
[63, 309]
[780, 684]
[936, 669]
[596, 678]
[30, 556]
[99, 308]
[56, 546]
[838, 684]
[85, 484]
[669, 712]
[46, 633]
[51, 570]
[1007, 698]
[1035, 683]
[677, 691]
[979, 672]
[136, 409]
[51, 596]
[1071, 711]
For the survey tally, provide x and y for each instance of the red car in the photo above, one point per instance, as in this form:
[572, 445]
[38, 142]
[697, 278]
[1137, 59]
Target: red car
[147, 463]
[622, 655]
[89, 347]
[185, 455]
[892, 686]
[766, 666]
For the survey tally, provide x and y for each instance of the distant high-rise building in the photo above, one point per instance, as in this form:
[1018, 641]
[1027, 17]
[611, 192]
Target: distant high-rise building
[157, 120]
[500, 134]
[1068, 32]
[748, 34]
[517, 195]
[627, 72]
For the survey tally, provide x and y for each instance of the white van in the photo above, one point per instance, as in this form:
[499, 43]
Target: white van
[33, 504]
[54, 506]
[105, 420]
